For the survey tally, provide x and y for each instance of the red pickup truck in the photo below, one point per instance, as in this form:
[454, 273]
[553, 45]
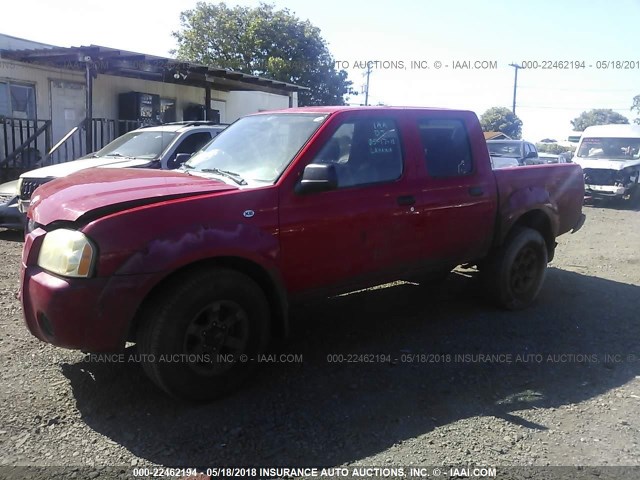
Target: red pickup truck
[198, 266]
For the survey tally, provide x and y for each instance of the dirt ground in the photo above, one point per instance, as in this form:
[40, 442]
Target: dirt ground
[453, 380]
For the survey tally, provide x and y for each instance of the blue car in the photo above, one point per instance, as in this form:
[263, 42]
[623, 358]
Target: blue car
[10, 217]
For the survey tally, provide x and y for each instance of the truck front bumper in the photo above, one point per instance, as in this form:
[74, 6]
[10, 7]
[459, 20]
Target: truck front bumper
[90, 314]
[605, 191]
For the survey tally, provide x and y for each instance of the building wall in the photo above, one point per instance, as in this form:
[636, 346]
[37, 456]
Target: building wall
[246, 102]
[106, 89]
[40, 77]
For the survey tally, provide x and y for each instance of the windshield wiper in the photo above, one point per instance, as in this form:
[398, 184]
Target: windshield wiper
[225, 173]
[116, 154]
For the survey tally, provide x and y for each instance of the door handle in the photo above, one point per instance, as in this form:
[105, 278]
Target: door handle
[476, 191]
[406, 200]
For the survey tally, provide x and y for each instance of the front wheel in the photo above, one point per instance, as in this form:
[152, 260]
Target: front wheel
[514, 275]
[201, 333]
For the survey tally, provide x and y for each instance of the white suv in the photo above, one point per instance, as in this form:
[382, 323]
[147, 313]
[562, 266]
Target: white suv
[148, 147]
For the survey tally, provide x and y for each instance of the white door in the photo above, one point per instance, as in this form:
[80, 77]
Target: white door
[67, 107]
[221, 106]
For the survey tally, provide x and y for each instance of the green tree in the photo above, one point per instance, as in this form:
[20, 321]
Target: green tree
[597, 116]
[552, 148]
[501, 119]
[263, 41]
[636, 107]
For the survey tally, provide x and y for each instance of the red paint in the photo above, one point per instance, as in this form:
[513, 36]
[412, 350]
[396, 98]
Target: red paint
[147, 224]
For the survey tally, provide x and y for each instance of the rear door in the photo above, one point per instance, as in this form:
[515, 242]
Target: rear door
[360, 232]
[458, 197]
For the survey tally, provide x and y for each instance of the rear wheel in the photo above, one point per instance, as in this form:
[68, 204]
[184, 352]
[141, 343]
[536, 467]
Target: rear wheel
[514, 275]
[200, 333]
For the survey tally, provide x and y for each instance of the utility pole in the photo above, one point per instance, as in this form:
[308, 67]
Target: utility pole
[515, 84]
[366, 88]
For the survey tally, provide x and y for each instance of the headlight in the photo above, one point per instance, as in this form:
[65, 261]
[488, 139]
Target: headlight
[19, 186]
[67, 252]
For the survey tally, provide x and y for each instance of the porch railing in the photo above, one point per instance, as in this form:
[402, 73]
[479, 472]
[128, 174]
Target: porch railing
[73, 144]
[23, 143]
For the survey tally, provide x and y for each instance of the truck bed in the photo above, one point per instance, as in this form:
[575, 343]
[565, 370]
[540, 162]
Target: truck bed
[557, 188]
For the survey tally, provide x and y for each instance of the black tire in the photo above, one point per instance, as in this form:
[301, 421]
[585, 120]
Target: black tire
[513, 276]
[196, 320]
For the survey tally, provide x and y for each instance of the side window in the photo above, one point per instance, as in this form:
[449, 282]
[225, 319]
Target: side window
[527, 149]
[364, 151]
[17, 100]
[193, 143]
[445, 143]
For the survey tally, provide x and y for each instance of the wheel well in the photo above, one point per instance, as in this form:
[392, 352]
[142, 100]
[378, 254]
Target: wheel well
[538, 220]
[276, 295]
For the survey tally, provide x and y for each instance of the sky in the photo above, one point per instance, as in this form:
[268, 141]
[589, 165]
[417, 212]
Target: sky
[482, 38]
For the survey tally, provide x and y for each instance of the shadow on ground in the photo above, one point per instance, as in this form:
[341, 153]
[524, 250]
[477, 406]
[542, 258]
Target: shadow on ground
[615, 204]
[11, 235]
[323, 413]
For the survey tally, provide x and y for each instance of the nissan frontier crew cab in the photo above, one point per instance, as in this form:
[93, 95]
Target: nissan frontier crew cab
[198, 266]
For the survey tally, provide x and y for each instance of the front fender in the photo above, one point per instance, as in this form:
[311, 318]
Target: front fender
[200, 241]
[165, 236]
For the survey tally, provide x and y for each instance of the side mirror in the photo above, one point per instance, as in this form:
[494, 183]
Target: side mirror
[179, 159]
[532, 155]
[318, 177]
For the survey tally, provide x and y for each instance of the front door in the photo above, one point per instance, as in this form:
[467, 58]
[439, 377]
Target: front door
[355, 234]
[67, 107]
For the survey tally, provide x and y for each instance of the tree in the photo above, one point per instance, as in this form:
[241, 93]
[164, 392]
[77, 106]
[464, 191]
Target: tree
[266, 42]
[552, 148]
[636, 107]
[597, 116]
[501, 119]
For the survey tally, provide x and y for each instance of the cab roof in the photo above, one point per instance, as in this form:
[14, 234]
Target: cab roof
[613, 131]
[343, 108]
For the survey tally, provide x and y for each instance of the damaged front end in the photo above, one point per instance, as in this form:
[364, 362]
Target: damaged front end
[609, 183]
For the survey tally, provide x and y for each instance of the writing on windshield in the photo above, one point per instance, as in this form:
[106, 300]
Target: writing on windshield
[610, 148]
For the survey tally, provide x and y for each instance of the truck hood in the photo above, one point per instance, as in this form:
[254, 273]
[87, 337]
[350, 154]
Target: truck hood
[92, 193]
[604, 164]
[67, 168]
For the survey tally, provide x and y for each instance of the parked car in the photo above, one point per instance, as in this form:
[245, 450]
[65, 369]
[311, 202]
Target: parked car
[525, 152]
[552, 157]
[504, 162]
[10, 217]
[281, 207]
[148, 147]
[610, 159]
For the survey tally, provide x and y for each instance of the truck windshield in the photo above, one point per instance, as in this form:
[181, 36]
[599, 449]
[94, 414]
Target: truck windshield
[147, 145]
[259, 147]
[504, 149]
[610, 148]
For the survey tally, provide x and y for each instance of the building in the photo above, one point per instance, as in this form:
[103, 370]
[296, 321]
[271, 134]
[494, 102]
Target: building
[496, 136]
[77, 99]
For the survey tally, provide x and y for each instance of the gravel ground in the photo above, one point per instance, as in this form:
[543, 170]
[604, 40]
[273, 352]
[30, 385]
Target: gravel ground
[455, 381]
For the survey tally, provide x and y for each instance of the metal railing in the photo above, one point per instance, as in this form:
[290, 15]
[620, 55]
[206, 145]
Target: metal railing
[23, 143]
[73, 144]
